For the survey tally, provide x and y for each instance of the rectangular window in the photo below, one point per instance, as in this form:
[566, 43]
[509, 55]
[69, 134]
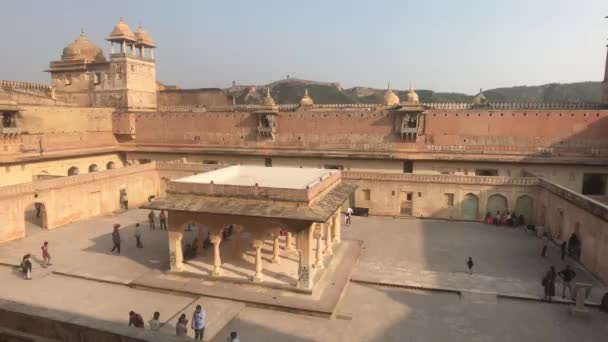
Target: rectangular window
[367, 194]
[486, 172]
[408, 197]
[334, 167]
[408, 166]
[210, 162]
[268, 162]
[96, 78]
[594, 184]
[449, 199]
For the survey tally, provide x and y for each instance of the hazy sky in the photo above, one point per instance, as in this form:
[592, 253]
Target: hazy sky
[450, 45]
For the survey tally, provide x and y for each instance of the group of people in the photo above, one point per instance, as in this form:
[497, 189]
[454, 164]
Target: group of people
[26, 264]
[197, 324]
[162, 218]
[505, 218]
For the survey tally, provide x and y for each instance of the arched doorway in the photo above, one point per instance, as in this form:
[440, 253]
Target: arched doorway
[525, 206]
[73, 171]
[93, 168]
[496, 203]
[110, 165]
[35, 216]
[470, 207]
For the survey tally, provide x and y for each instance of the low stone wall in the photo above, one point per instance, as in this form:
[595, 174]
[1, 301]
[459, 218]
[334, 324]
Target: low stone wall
[75, 198]
[56, 325]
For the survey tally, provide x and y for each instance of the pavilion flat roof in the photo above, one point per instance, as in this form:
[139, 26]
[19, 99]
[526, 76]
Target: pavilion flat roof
[318, 211]
[267, 177]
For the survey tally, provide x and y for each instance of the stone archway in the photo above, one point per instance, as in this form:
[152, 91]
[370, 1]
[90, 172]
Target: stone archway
[110, 165]
[470, 207]
[497, 202]
[524, 205]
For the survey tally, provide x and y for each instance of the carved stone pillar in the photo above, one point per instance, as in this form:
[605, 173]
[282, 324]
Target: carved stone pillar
[275, 250]
[216, 240]
[288, 242]
[328, 241]
[319, 252]
[176, 256]
[304, 242]
[337, 227]
[257, 244]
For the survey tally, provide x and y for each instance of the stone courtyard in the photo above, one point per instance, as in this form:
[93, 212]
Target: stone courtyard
[392, 295]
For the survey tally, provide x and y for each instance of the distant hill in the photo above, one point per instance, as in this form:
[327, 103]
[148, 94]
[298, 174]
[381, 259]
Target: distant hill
[291, 91]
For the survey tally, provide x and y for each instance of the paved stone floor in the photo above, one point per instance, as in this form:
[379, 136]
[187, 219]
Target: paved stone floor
[401, 248]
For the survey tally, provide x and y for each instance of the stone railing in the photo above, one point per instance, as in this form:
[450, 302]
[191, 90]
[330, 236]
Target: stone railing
[30, 188]
[27, 87]
[182, 108]
[588, 204]
[443, 179]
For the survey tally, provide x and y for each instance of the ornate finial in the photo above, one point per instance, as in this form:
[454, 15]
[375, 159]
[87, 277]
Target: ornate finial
[411, 85]
[305, 91]
[268, 92]
[389, 86]
[121, 20]
[82, 34]
[481, 90]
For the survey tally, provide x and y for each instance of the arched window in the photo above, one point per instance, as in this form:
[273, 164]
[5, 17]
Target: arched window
[73, 171]
[110, 165]
[93, 168]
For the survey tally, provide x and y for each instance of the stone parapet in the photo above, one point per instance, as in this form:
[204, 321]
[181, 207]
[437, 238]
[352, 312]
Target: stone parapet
[444, 179]
[58, 183]
[590, 205]
[27, 87]
[508, 105]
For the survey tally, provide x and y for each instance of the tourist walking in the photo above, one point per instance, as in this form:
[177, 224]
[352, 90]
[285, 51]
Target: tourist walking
[563, 248]
[152, 219]
[348, 215]
[234, 337]
[136, 320]
[181, 328]
[26, 267]
[198, 322]
[545, 239]
[116, 239]
[470, 265]
[155, 323]
[138, 236]
[548, 283]
[46, 256]
[567, 275]
[163, 220]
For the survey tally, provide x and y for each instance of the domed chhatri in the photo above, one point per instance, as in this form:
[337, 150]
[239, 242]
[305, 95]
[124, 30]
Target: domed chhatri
[390, 98]
[306, 101]
[268, 101]
[480, 99]
[143, 38]
[122, 31]
[82, 49]
[411, 95]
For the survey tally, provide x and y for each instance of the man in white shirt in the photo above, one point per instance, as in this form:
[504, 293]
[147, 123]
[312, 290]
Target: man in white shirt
[349, 213]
